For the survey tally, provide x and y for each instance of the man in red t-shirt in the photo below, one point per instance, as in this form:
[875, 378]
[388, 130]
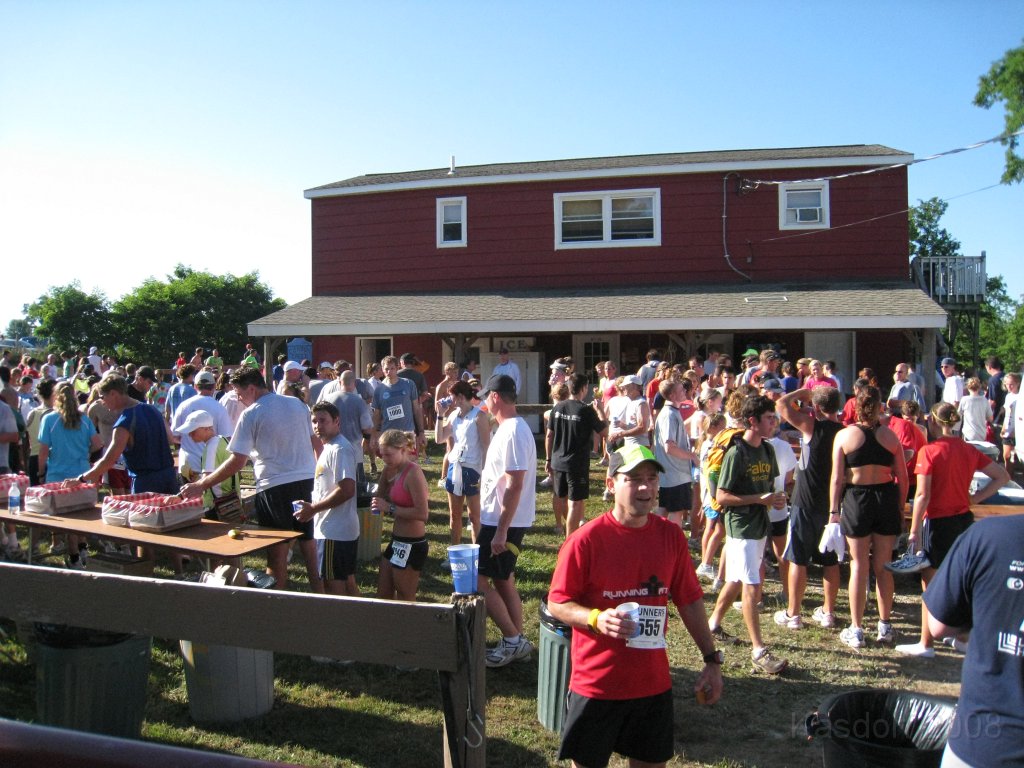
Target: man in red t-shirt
[620, 692]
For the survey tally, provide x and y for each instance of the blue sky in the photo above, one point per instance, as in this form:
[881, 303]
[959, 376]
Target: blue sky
[135, 135]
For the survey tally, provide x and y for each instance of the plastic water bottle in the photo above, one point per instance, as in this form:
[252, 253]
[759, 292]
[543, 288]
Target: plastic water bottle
[14, 499]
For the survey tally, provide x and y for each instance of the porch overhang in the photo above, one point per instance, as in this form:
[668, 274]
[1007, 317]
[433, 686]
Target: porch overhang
[625, 309]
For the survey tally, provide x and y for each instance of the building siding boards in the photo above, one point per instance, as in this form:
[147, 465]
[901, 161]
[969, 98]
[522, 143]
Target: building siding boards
[388, 240]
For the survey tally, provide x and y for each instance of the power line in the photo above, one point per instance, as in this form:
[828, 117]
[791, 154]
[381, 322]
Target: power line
[754, 183]
[873, 218]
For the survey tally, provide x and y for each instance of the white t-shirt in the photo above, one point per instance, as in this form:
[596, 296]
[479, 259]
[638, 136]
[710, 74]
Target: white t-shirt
[465, 439]
[512, 448]
[786, 459]
[233, 406]
[337, 462]
[277, 433]
[632, 419]
[976, 413]
[953, 389]
[1009, 411]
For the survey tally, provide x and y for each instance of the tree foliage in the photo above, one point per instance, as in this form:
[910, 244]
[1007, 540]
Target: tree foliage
[927, 238]
[998, 312]
[160, 318]
[188, 310]
[1004, 82]
[18, 328]
[996, 316]
[72, 318]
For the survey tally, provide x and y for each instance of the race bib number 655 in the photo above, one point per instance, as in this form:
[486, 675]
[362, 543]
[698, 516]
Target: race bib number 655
[651, 628]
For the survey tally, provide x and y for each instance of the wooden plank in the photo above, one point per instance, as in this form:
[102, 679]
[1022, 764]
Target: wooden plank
[360, 629]
[206, 538]
[463, 693]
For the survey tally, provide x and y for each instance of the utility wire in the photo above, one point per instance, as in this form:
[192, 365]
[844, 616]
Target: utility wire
[937, 155]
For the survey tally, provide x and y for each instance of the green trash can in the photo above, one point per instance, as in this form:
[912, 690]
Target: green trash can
[89, 680]
[227, 684]
[553, 669]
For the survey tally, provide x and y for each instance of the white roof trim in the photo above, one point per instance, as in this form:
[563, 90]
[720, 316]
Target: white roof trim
[604, 173]
[602, 325]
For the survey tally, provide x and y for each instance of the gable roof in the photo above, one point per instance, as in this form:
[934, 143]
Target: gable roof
[625, 165]
[856, 306]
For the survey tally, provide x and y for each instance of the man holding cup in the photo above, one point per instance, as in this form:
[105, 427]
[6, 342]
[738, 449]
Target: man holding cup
[612, 584]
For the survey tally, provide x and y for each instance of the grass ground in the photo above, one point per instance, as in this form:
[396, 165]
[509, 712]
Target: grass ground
[374, 716]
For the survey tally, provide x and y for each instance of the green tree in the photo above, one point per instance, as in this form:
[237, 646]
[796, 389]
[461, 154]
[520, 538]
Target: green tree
[188, 310]
[1012, 348]
[72, 318]
[996, 315]
[927, 238]
[1004, 82]
[18, 328]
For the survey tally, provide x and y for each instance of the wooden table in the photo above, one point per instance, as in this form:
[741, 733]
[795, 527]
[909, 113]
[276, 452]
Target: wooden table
[208, 538]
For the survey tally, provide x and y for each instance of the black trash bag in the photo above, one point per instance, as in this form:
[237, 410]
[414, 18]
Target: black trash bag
[65, 636]
[365, 493]
[888, 729]
[549, 621]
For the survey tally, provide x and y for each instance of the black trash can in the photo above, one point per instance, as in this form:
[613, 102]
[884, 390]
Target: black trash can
[90, 680]
[553, 669]
[882, 729]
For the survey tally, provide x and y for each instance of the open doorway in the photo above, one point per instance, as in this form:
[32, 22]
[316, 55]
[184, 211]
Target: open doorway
[371, 349]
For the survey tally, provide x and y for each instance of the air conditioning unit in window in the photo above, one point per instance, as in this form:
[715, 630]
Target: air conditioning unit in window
[808, 215]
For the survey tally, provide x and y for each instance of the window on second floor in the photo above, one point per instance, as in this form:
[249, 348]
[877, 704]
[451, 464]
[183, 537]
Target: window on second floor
[451, 222]
[608, 219]
[804, 205]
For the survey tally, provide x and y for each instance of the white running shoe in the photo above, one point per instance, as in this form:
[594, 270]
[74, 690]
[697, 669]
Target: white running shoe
[783, 619]
[886, 633]
[824, 618]
[546, 482]
[706, 571]
[916, 649]
[504, 653]
[853, 637]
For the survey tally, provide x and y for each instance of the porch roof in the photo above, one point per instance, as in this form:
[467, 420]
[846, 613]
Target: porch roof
[624, 309]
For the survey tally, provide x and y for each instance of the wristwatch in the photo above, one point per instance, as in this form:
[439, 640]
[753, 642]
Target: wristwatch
[715, 657]
[391, 509]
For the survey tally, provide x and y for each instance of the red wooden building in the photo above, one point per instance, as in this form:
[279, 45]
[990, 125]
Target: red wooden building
[805, 249]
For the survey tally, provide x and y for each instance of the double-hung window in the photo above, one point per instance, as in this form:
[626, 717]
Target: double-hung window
[804, 205]
[608, 219]
[451, 222]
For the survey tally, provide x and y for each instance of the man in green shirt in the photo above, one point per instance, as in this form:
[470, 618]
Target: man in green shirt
[745, 491]
[215, 361]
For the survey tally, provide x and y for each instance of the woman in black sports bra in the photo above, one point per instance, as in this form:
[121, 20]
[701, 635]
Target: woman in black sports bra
[869, 482]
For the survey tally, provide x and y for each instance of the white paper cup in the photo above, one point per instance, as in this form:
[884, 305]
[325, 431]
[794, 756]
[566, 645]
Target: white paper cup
[633, 609]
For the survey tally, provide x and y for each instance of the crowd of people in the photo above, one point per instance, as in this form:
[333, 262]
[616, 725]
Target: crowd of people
[768, 465]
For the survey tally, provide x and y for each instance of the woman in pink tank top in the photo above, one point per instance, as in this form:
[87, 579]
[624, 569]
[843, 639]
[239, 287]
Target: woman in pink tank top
[402, 494]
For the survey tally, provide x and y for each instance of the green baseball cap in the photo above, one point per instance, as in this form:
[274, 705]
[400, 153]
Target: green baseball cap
[630, 457]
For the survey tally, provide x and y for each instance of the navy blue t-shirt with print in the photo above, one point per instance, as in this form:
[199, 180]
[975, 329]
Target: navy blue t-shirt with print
[981, 585]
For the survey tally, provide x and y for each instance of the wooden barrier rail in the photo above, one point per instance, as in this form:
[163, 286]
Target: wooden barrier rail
[448, 638]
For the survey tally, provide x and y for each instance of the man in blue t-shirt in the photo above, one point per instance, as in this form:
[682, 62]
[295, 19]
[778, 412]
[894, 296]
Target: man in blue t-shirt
[980, 586]
[396, 405]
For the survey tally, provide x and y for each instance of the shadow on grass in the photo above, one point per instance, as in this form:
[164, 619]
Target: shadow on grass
[376, 715]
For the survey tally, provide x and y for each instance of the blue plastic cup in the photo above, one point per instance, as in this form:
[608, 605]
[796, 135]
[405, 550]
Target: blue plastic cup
[465, 560]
